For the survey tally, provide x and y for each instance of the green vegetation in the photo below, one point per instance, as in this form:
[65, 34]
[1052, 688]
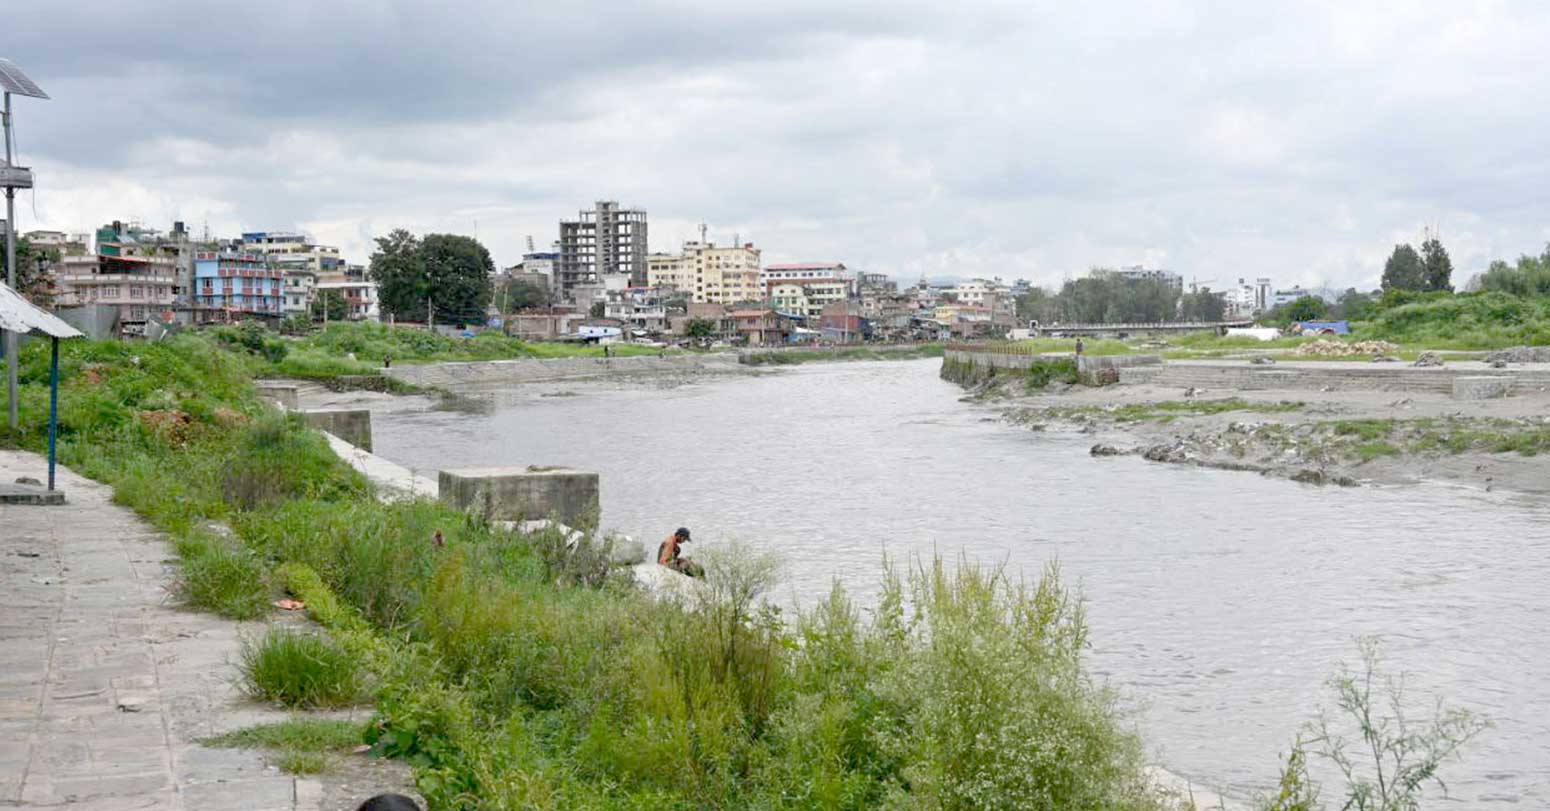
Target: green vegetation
[299, 670]
[300, 745]
[512, 671]
[447, 272]
[1050, 370]
[1170, 409]
[782, 357]
[1398, 756]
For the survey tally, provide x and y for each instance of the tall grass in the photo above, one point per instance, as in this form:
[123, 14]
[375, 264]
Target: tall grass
[299, 670]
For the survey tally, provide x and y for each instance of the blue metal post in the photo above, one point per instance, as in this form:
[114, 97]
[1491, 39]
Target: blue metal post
[53, 406]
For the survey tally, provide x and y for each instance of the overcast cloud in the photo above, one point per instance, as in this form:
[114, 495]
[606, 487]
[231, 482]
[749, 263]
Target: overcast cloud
[1019, 139]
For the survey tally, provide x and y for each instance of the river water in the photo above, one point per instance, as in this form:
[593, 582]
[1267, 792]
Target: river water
[1219, 601]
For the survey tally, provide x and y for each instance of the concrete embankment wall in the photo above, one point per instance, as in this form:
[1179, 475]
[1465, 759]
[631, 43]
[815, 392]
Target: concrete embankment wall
[534, 370]
[969, 367]
[1359, 377]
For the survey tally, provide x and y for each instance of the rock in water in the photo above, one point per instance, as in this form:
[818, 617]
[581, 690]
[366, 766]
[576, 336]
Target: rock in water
[1263, 360]
[1101, 449]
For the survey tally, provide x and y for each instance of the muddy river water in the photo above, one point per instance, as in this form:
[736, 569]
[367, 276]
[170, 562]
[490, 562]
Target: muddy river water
[1219, 601]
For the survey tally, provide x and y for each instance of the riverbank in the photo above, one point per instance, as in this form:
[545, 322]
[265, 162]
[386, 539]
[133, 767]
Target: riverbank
[1329, 435]
[511, 671]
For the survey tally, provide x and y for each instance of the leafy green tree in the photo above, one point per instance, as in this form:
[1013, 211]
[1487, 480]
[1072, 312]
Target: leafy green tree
[1202, 305]
[700, 328]
[521, 295]
[449, 271]
[329, 305]
[1531, 276]
[1036, 305]
[1354, 305]
[1438, 268]
[32, 266]
[597, 310]
[1404, 270]
[1307, 308]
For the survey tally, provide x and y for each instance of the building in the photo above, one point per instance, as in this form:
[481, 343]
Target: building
[1143, 274]
[300, 287]
[1291, 294]
[543, 325]
[642, 309]
[807, 297]
[842, 322]
[606, 241]
[131, 270]
[1246, 300]
[232, 286]
[358, 292]
[708, 273]
[807, 271]
[760, 327]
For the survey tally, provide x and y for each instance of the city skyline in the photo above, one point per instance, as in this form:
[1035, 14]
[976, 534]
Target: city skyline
[997, 141]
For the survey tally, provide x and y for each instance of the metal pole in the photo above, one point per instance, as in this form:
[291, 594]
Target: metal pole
[53, 406]
[10, 270]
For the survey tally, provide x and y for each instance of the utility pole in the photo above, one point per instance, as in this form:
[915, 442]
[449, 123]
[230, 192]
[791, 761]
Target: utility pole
[430, 315]
[12, 177]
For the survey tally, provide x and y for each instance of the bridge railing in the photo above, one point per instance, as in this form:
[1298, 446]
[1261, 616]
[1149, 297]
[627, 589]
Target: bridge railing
[997, 347]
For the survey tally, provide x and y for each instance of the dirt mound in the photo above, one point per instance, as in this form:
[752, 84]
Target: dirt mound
[1342, 349]
[1520, 354]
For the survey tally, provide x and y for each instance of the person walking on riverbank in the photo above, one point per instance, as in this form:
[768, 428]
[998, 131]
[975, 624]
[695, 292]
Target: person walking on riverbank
[669, 554]
[1079, 347]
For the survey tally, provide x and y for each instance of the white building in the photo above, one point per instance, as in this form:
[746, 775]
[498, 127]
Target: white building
[1245, 300]
[709, 273]
[1139, 273]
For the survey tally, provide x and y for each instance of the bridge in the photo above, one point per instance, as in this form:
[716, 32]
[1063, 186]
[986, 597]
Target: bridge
[1132, 328]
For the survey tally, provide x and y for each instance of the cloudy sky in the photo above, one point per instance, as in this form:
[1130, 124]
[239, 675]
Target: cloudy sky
[1029, 139]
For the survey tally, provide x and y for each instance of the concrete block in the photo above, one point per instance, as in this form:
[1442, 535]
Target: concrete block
[282, 393]
[517, 493]
[352, 425]
[1481, 388]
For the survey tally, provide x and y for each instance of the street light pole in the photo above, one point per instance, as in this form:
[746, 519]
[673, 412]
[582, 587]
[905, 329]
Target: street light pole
[10, 270]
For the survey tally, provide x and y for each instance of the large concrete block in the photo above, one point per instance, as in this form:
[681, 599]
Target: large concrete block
[517, 493]
[282, 393]
[1482, 387]
[352, 425]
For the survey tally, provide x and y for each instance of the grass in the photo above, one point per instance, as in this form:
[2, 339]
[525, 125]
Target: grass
[300, 745]
[1170, 409]
[299, 670]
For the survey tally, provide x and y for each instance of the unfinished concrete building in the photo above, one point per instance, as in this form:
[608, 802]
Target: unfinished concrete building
[608, 241]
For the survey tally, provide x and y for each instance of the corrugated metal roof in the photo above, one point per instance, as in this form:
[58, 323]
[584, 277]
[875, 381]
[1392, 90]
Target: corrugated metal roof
[20, 315]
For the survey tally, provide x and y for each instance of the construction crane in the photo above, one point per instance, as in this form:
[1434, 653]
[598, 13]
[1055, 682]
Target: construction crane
[1194, 284]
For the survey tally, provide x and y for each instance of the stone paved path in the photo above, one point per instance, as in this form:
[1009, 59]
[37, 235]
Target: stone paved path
[105, 683]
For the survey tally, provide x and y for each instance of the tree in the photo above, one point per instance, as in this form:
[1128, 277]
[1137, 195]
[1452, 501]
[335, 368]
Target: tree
[1438, 268]
[32, 266]
[1354, 305]
[449, 271]
[1202, 305]
[1404, 270]
[700, 328]
[597, 310]
[1307, 308]
[1036, 305]
[521, 295]
[328, 305]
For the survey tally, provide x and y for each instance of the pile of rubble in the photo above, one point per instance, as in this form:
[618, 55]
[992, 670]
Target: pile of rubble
[1520, 354]
[1341, 349]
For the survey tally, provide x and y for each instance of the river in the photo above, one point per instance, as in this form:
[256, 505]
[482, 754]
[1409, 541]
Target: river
[1219, 601]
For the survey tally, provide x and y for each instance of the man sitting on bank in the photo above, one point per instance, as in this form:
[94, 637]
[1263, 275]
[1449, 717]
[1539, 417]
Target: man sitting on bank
[668, 555]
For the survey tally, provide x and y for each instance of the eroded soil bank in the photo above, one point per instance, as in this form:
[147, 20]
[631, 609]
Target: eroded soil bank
[1325, 437]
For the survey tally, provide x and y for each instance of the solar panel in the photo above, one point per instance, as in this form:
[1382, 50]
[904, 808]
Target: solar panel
[12, 80]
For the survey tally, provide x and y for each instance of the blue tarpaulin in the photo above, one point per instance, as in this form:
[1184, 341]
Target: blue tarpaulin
[1325, 327]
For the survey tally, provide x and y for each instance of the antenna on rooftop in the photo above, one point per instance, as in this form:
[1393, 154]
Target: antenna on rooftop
[530, 244]
[703, 228]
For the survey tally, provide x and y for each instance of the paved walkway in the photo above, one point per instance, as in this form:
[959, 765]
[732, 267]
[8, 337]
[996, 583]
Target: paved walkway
[104, 683]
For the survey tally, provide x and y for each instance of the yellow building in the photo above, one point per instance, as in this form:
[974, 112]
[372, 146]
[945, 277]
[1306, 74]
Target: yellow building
[708, 273]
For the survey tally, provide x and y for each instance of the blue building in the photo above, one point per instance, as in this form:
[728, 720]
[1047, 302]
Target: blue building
[232, 286]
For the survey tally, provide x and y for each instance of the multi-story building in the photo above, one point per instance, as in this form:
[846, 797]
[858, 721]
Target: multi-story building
[642, 309]
[231, 285]
[1246, 300]
[807, 271]
[1139, 273]
[708, 273]
[760, 327]
[807, 297]
[607, 241]
[358, 292]
[300, 286]
[132, 269]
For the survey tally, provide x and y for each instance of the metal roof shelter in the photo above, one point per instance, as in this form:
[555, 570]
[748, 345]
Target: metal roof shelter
[13, 82]
[22, 317]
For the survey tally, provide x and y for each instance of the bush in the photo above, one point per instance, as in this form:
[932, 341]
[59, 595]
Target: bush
[299, 670]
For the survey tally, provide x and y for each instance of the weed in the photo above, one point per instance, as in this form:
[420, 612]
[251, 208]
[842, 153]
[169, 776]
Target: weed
[1365, 429]
[302, 745]
[299, 670]
[222, 576]
[1368, 451]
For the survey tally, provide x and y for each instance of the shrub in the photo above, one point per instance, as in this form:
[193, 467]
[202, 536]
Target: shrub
[300, 745]
[299, 670]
